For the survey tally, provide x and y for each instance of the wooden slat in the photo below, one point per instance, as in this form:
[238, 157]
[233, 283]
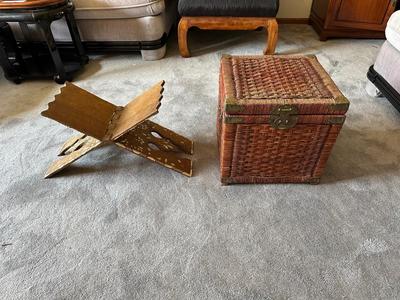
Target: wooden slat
[138, 110]
[81, 148]
[81, 110]
[127, 127]
[166, 148]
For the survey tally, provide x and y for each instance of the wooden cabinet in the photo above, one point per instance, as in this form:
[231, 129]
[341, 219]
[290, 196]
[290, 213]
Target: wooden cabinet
[351, 18]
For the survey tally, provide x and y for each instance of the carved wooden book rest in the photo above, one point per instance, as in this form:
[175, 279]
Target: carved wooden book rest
[101, 122]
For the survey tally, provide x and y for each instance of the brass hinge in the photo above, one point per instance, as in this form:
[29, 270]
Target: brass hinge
[284, 117]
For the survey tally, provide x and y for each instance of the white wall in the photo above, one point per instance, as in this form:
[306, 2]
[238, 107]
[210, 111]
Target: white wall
[294, 8]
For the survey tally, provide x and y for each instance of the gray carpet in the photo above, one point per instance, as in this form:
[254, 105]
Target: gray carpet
[115, 226]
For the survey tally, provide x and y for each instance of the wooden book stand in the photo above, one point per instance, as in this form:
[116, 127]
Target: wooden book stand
[101, 122]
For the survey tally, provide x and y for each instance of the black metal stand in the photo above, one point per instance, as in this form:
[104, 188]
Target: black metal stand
[21, 63]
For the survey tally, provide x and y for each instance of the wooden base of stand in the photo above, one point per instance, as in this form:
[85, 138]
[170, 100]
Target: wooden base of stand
[227, 23]
[101, 122]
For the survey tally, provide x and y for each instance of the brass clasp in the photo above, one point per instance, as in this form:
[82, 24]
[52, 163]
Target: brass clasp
[284, 117]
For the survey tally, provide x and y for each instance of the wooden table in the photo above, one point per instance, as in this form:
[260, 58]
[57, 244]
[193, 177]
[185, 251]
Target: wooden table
[28, 4]
[42, 13]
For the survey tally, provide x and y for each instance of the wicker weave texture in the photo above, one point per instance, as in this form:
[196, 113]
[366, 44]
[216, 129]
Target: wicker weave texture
[254, 153]
[290, 153]
[273, 77]
[251, 150]
[257, 84]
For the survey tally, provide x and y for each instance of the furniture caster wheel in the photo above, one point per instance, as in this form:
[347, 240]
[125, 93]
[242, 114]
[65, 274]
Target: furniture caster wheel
[61, 80]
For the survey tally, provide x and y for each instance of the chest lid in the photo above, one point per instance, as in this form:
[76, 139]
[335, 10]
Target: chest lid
[262, 84]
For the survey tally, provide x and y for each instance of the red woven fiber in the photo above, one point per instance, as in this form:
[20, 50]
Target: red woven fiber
[253, 151]
[273, 77]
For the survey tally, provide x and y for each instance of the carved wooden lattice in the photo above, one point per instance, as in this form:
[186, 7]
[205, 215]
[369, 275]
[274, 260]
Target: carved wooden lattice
[101, 122]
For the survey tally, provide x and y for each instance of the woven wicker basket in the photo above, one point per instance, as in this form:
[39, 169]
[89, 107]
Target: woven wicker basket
[278, 119]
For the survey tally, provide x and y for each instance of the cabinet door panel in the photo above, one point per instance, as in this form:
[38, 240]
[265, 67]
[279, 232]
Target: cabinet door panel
[363, 14]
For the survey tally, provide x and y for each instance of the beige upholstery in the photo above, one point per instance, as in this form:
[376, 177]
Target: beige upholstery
[117, 9]
[387, 64]
[393, 30]
[118, 21]
[148, 28]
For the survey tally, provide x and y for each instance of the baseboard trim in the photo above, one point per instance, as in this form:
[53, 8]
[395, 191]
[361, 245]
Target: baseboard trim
[293, 20]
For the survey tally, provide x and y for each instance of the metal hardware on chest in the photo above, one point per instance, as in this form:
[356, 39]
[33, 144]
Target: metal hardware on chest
[233, 108]
[233, 120]
[337, 120]
[284, 117]
[341, 104]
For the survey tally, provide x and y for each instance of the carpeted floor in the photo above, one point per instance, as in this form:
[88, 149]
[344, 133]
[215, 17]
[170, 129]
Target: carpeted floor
[115, 226]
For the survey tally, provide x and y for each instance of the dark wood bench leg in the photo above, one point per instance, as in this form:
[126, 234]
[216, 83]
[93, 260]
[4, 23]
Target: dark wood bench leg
[9, 70]
[76, 39]
[7, 41]
[60, 76]
[183, 28]
[272, 36]
[27, 35]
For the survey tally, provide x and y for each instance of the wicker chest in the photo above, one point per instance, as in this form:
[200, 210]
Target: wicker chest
[278, 119]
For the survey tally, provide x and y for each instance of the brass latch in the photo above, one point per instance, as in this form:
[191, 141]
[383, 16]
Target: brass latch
[284, 117]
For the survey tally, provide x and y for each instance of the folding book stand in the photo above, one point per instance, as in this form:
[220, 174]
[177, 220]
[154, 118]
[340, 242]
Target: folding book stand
[127, 127]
